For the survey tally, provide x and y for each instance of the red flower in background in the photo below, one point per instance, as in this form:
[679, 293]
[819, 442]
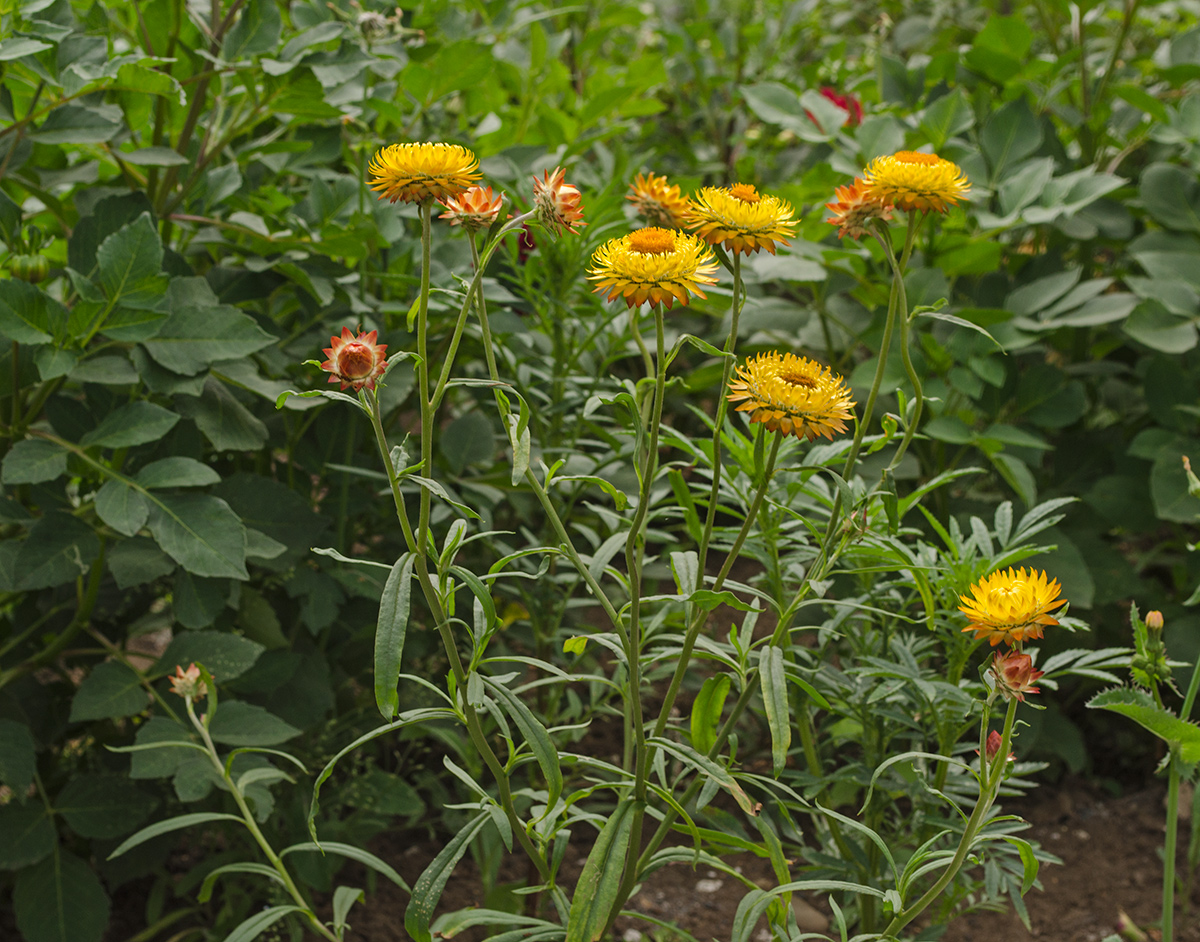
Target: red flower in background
[848, 103]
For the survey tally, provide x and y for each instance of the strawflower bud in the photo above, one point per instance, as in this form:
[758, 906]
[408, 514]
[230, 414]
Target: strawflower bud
[355, 361]
[994, 742]
[1014, 674]
[1154, 622]
[187, 683]
[557, 204]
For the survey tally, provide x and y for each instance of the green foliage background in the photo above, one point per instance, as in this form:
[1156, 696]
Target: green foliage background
[193, 176]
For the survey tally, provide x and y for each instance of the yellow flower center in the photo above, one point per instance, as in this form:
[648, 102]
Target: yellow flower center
[915, 157]
[652, 241]
[1001, 594]
[744, 192]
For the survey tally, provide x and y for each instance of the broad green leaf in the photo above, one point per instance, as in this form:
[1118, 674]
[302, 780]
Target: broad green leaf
[195, 336]
[138, 561]
[33, 461]
[156, 752]
[256, 31]
[105, 218]
[196, 600]
[1010, 135]
[134, 424]
[103, 806]
[201, 533]
[428, 889]
[1172, 196]
[111, 691]
[107, 370]
[1152, 324]
[390, 630]
[775, 703]
[27, 314]
[60, 900]
[177, 823]
[53, 362]
[177, 472]
[26, 834]
[128, 258]
[947, 117]
[60, 547]
[225, 422]
[596, 890]
[17, 758]
[1138, 706]
[468, 440]
[17, 47]
[226, 656]
[122, 507]
[706, 712]
[276, 510]
[77, 124]
[244, 724]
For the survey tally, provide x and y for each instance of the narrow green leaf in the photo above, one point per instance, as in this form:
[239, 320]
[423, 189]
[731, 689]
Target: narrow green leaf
[177, 823]
[707, 766]
[1028, 860]
[343, 898]
[775, 703]
[260, 922]
[428, 889]
[706, 712]
[262, 870]
[543, 748]
[389, 634]
[351, 852]
[596, 890]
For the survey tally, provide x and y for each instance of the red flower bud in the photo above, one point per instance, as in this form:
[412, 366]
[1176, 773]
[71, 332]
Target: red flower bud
[1014, 674]
[355, 361]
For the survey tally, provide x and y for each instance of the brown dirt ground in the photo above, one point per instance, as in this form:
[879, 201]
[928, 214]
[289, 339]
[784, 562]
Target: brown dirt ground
[1109, 846]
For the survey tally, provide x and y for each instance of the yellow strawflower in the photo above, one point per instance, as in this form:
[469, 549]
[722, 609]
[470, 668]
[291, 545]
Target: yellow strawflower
[413, 173]
[911, 180]
[1011, 606]
[793, 395]
[655, 265]
[741, 218]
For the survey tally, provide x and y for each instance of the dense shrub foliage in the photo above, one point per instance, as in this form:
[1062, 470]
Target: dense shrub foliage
[185, 225]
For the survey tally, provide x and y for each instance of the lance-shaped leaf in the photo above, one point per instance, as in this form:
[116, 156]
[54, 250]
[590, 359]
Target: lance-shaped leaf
[389, 634]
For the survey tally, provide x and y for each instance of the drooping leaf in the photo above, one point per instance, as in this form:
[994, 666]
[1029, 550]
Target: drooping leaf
[596, 891]
[60, 547]
[389, 634]
[428, 889]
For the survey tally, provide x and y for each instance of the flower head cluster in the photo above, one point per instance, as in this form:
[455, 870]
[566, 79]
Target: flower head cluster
[557, 203]
[792, 395]
[912, 180]
[414, 173]
[1012, 606]
[740, 218]
[355, 362]
[655, 265]
[474, 209]
[906, 180]
[187, 683]
[659, 202]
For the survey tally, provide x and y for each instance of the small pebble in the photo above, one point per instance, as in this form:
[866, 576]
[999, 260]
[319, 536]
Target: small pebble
[709, 886]
[632, 935]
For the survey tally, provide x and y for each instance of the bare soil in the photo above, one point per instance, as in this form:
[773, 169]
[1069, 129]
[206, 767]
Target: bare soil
[1110, 848]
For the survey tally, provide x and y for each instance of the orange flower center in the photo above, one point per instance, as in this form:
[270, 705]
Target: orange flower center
[355, 360]
[652, 241]
[798, 379]
[744, 192]
[914, 157]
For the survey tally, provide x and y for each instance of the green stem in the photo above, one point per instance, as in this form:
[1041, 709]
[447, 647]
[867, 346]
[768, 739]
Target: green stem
[910, 424]
[1168, 891]
[991, 776]
[698, 620]
[253, 828]
[722, 406]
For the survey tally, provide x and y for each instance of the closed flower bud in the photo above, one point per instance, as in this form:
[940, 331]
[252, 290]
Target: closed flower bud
[1154, 622]
[356, 362]
[1014, 674]
[187, 683]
